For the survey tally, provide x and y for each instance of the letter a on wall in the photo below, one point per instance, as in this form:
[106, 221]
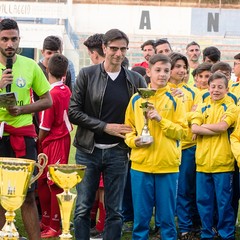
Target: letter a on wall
[145, 22]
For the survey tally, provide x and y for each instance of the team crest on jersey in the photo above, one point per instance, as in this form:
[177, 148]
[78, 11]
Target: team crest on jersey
[21, 82]
[166, 108]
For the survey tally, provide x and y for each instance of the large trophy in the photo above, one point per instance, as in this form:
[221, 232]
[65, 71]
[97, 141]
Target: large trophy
[66, 176]
[15, 178]
[146, 93]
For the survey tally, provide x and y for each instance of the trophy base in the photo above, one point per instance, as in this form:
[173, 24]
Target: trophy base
[9, 231]
[65, 236]
[9, 235]
[146, 139]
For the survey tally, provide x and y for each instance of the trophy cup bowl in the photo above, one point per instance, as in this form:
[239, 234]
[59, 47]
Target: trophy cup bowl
[15, 178]
[146, 93]
[66, 176]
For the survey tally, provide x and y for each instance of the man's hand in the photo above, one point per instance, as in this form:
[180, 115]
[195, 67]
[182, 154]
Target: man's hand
[118, 130]
[7, 78]
[14, 110]
[177, 92]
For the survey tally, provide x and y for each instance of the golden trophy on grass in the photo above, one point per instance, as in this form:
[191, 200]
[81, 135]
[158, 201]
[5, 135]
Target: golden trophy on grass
[146, 93]
[15, 178]
[66, 176]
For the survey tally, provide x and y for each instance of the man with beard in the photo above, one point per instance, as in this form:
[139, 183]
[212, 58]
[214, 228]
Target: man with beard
[193, 53]
[19, 136]
[163, 46]
[148, 50]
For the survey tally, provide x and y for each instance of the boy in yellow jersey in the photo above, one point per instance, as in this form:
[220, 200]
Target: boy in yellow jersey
[234, 94]
[188, 217]
[235, 141]
[235, 146]
[203, 72]
[211, 124]
[235, 87]
[155, 164]
[224, 68]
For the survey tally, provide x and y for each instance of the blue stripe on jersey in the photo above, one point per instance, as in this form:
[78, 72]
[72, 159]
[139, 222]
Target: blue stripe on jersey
[135, 98]
[235, 84]
[191, 91]
[205, 108]
[205, 95]
[233, 97]
[224, 107]
[172, 99]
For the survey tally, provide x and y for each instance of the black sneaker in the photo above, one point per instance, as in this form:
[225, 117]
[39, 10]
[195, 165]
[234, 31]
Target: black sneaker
[98, 236]
[186, 236]
[127, 227]
[94, 232]
[153, 231]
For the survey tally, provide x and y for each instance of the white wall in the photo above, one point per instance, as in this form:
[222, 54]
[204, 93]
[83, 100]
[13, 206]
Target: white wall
[100, 18]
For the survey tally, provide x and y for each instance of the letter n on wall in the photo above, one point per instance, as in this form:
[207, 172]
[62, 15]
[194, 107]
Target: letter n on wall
[213, 22]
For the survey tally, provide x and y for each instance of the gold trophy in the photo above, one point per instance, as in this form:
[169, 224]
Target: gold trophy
[66, 176]
[146, 93]
[15, 178]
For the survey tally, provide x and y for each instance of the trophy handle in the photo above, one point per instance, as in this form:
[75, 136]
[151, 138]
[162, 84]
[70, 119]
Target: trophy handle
[41, 164]
[79, 179]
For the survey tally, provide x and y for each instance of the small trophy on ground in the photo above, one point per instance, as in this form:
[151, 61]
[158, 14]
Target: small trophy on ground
[15, 178]
[66, 176]
[146, 93]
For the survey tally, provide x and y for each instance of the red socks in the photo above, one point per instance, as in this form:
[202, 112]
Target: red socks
[49, 204]
[101, 219]
[93, 213]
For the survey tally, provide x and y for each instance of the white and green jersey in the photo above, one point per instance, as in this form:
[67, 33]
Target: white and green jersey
[27, 76]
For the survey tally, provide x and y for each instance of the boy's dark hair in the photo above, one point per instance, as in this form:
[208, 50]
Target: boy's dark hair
[212, 53]
[203, 67]
[58, 65]
[162, 41]
[194, 72]
[158, 58]
[140, 70]
[114, 34]
[193, 43]
[218, 75]
[174, 56]
[52, 43]
[148, 42]
[237, 56]
[94, 43]
[8, 24]
[222, 66]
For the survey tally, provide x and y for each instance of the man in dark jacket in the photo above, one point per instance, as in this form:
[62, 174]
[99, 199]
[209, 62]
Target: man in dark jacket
[97, 106]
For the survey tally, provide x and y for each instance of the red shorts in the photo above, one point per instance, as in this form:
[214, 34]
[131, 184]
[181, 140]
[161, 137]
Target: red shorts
[57, 152]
